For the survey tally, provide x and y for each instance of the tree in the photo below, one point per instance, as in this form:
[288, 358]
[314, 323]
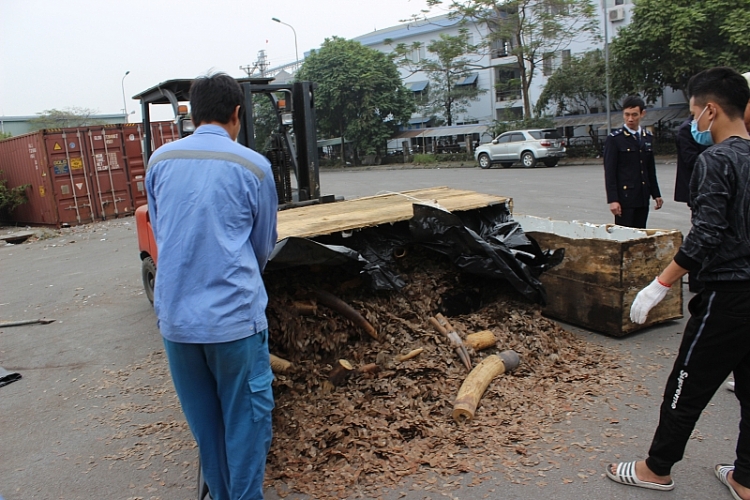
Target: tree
[668, 41]
[265, 122]
[68, 117]
[446, 96]
[5, 135]
[359, 94]
[531, 31]
[576, 85]
[10, 198]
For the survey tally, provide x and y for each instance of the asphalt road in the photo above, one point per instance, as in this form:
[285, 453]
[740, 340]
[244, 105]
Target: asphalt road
[89, 376]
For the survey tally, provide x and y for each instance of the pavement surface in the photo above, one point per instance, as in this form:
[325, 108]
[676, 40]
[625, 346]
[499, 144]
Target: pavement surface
[94, 397]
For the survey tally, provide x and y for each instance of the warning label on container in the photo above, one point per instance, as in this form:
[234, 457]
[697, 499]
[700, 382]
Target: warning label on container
[76, 163]
[57, 146]
[79, 185]
[42, 191]
[61, 167]
[99, 160]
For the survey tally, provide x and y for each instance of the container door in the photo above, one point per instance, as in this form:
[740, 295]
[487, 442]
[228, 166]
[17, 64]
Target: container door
[133, 137]
[109, 181]
[69, 171]
[163, 133]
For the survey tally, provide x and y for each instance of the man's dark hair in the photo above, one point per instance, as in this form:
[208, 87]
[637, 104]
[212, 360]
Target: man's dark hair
[725, 86]
[633, 101]
[213, 98]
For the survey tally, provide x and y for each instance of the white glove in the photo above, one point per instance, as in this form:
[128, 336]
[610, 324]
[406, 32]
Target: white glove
[646, 300]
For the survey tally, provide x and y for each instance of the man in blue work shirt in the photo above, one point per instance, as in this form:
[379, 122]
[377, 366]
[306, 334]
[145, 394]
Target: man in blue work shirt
[212, 204]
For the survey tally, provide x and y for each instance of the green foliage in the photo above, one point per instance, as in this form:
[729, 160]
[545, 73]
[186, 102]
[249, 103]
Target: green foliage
[359, 94]
[668, 41]
[452, 64]
[10, 198]
[573, 86]
[68, 117]
[425, 158]
[265, 122]
[501, 126]
[5, 135]
[531, 29]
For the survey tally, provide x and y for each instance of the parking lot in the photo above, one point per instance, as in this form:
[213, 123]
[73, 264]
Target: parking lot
[94, 415]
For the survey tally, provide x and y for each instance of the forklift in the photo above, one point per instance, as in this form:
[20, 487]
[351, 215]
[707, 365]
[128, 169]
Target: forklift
[293, 146]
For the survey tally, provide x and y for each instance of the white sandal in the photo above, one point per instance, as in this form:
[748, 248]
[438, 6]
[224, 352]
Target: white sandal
[721, 471]
[625, 474]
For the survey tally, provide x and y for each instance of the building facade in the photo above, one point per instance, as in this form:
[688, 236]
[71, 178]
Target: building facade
[497, 68]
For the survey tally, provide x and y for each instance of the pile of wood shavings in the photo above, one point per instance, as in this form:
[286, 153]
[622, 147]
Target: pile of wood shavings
[374, 431]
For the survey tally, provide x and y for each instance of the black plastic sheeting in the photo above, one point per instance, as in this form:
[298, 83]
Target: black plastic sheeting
[485, 242]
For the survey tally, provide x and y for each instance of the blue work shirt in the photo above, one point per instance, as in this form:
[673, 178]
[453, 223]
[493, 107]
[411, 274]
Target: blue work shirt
[212, 204]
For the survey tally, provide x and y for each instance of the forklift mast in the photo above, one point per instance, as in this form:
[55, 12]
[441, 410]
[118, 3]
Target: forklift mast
[293, 142]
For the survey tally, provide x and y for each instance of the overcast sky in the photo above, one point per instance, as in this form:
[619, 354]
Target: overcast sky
[74, 53]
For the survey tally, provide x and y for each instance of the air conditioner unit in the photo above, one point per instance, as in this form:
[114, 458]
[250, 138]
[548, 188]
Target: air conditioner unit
[617, 14]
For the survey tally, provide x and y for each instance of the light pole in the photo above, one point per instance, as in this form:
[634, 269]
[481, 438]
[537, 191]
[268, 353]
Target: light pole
[606, 61]
[296, 54]
[124, 102]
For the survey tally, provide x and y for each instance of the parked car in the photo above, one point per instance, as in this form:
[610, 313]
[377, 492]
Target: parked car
[525, 146]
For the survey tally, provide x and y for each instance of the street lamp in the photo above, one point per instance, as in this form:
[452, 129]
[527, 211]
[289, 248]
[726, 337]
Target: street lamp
[606, 62]
[124, 102]
[296, 54]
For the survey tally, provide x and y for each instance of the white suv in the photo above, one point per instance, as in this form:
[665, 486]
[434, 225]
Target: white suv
[526, 146]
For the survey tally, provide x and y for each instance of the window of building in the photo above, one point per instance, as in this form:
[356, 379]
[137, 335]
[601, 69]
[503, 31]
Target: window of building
[419, 90]
[565, 57]
[418, 54]
[556, 8]
[469, 81]
[619, 2]
[548, 63]
[500, 48]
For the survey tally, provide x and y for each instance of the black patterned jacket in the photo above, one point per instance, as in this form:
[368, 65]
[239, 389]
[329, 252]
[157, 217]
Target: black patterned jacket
[719, 242]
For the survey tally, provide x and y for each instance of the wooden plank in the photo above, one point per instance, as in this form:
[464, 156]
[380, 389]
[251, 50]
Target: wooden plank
[645, 258]
[589, 260]
[668, 309]
[583, 303]
[328, 218]
[603, 309]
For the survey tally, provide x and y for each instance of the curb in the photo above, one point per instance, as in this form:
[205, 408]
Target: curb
[598, 162]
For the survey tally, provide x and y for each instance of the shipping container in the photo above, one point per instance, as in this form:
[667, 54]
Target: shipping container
[163, 133]
[23, 160]
[133, 137]
[76, 175]
[111, 192]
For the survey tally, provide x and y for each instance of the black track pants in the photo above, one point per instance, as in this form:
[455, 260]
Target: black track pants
[716, 342]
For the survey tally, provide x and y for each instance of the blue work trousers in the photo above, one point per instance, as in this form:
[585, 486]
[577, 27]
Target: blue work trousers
[225, 392]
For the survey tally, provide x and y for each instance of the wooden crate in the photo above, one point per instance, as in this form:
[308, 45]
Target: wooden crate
[604, 268]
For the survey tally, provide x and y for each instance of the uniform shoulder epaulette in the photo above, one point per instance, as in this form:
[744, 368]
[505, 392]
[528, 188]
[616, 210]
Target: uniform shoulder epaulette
[648, 132]
[616, 132]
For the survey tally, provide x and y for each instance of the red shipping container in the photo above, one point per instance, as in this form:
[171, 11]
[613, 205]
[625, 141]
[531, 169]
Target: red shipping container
[163, 133]
[24, 160]
[77, 175]
[111, 192]
[133, 137]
